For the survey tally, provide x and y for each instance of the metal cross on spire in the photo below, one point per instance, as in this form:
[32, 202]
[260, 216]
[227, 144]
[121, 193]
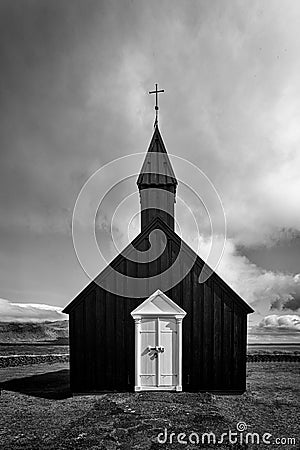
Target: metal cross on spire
[156, 92]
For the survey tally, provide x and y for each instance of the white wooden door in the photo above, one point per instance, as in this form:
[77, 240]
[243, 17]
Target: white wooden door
[148, 358]
[159, 353]
[168, 359]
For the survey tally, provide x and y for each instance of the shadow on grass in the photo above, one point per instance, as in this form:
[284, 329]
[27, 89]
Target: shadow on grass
[50, 385]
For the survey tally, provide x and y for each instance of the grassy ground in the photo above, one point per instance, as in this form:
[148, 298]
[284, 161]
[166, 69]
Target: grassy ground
[37, 412]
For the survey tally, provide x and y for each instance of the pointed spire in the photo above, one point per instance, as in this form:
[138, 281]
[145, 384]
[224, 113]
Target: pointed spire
[157, 182]
[156, 169]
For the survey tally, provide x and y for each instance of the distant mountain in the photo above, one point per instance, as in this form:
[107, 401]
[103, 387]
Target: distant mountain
[56, 332]
[29, 312]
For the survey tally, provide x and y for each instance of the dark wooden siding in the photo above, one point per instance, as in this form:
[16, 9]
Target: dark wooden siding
[214, 333]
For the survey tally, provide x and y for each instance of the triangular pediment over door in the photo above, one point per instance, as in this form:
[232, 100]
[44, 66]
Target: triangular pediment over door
[158, 344]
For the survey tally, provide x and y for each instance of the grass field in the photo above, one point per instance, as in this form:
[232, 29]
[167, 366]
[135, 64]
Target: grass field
[37, 412]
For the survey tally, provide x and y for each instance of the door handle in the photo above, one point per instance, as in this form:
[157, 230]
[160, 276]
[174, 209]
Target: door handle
[157, 348]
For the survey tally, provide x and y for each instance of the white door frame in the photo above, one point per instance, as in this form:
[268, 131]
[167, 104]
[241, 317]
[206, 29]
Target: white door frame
[157, 306]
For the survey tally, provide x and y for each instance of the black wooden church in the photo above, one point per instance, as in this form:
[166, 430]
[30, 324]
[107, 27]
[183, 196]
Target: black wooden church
[187, 336]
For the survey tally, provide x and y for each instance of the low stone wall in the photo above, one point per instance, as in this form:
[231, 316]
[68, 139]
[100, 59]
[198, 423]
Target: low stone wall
[280, 357]
[23, 360]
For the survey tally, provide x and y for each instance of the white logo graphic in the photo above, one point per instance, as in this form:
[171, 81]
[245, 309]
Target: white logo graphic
[112, 181]
[241, 426]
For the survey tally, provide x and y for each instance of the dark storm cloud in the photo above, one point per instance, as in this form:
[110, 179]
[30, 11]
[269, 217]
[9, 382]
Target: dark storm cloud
[73, 83]
[293, 303]
[290, 302]
[39, 98]
[37, 45]
[74, 73]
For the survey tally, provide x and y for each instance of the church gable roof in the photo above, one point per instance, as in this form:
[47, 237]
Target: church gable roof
[156, 223]
[156, 169]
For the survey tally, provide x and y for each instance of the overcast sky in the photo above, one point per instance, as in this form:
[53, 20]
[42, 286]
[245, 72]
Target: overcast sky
[73, 96]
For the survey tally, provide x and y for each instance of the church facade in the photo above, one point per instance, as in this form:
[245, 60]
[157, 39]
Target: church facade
[187, 336]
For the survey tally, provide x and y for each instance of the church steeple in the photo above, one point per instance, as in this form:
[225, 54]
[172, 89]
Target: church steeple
[157, 183]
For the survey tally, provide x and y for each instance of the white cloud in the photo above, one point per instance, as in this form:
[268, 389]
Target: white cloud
[263, 289]
[29, 312]
[286, 322]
